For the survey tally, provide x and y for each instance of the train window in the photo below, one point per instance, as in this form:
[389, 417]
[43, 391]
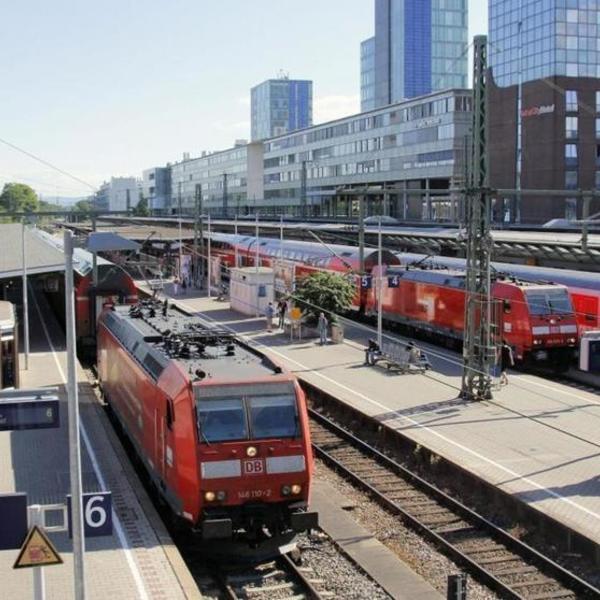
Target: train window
[222, 420]
[507, 306]
[169, 414]
[273, 417]
[549, 301]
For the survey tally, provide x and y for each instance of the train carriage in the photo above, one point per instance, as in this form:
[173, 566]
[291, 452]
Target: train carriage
[221, 429]
[9, 346]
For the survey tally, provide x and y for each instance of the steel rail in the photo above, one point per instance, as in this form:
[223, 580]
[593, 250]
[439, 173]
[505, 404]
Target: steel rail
[523, 551]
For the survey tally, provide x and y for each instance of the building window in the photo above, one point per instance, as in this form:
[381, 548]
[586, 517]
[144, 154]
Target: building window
[571, 180]
[598, 102]
[571, 100]
[597, 128]
[572, 127]
[571, 155]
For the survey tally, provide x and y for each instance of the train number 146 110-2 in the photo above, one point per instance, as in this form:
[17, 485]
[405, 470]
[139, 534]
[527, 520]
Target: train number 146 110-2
[247, 494]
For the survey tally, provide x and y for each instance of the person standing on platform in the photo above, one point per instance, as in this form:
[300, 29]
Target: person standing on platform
[507, 361]
[176, 286]
[183, 286]
[269, 314]
[322, 327]
[282, 310]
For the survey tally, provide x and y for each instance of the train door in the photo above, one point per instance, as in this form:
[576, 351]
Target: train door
[163, 421]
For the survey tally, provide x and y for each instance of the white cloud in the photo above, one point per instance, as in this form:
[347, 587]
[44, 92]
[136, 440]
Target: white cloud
[244, 100]
[329, 108]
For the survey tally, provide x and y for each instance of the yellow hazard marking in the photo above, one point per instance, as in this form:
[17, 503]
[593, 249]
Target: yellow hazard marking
[37, 551]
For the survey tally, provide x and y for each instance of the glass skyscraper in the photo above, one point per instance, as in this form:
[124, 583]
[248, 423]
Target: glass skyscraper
[279, 106]
[420, 46]
[534, 39]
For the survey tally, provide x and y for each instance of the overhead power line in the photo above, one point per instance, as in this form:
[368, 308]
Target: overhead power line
[48, 164]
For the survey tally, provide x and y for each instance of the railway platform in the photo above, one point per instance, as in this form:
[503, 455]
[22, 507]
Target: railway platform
[537, 440]
[384, 567]
[138, 560]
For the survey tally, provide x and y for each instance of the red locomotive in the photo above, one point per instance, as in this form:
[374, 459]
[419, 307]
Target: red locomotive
[584, 287]
[222, 430]
[537, 320]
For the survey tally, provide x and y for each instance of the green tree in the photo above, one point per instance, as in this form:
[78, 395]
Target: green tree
[324, 291]
[19, 197]
[82, 206]
[141, 210]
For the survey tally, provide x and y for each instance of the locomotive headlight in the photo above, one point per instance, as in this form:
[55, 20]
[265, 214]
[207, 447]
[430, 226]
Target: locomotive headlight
[285, 490]
[251, 451]
[296, 489]
[209, 496]
[221, 495]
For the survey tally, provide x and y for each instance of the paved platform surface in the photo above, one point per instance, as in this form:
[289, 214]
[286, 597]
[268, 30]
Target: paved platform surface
[378, 561]
[537, 440]
[139, 560]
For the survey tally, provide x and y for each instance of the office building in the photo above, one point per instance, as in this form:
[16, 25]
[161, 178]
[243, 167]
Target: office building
[156, 188]
[544, 106]
[120, 193]
[419, 47]
[280, 106]
[410, 153]
[217, 179]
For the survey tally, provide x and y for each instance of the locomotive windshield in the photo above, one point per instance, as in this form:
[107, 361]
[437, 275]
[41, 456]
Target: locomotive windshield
[549, 301]
[249, 418]
[222, 420]
[273, 417]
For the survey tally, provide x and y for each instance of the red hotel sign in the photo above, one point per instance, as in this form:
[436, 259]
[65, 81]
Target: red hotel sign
[535, 111]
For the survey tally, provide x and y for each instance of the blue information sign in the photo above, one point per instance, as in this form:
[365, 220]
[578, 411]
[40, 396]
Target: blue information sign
[394, 281]
[13, 521]
[97, 514]
[28, 409]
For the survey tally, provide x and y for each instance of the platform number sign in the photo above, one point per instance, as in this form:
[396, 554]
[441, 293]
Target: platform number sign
[366, 282]
[394, 281]
[97, 514]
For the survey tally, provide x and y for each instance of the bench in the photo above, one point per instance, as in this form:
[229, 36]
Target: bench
[398, 356]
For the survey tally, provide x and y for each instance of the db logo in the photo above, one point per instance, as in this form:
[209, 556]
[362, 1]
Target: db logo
[254, 467]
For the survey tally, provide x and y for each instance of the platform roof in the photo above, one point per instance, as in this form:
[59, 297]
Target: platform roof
[41, 257]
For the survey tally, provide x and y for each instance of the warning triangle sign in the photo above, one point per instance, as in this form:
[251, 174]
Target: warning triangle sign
[37, 551]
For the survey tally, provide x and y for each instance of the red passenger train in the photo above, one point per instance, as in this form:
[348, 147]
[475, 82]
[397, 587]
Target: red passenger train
[115, 286]
[222, 430]
[537, 320]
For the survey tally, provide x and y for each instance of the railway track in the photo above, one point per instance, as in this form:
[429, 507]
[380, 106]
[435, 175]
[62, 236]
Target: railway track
[491, 555]
[279, 578]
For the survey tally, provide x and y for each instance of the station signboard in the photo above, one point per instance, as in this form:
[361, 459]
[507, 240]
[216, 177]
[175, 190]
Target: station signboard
[29, 409]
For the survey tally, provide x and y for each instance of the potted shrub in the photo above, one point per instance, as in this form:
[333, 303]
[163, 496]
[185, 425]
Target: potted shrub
[331, 293]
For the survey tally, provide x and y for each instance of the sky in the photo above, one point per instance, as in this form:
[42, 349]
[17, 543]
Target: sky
[112, 87]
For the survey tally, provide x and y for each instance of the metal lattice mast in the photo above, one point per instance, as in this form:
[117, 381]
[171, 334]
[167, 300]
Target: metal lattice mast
[479, 353]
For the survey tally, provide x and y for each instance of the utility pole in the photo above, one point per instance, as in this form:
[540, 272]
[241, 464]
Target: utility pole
[585, 215]
[25, 293]
[225, 196]
[180, 272]
[74, 443]
[361, 250]
[479, 353]
[303, 190]
[196, 260]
